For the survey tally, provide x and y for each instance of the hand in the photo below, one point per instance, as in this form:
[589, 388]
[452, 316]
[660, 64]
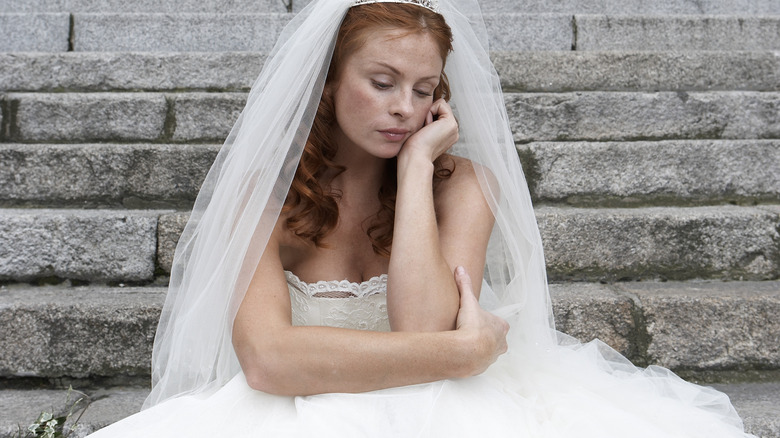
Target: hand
[489, 331]
[437, 135]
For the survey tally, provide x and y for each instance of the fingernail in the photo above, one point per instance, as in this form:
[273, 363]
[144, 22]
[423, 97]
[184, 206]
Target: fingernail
[459, 270]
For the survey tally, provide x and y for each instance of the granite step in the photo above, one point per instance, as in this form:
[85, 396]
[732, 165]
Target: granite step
[665, 7]
[581, 116]
[711, 330]
[757, 404]
[586, 174]
[585, 244]
[177, 32]
[550, 71]
[673, 172]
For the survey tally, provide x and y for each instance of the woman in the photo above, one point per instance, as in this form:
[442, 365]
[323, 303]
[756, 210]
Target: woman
[313, 289]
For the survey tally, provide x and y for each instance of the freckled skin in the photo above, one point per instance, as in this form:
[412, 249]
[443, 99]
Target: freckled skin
[386, 85]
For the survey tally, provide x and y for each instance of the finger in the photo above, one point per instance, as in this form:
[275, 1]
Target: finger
[441, 108]
[463, 281]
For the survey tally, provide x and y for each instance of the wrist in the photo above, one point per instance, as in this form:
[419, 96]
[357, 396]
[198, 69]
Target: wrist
[415, 163]
[466, 354]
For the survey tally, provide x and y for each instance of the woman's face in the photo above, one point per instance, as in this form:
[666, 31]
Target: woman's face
[384, 92]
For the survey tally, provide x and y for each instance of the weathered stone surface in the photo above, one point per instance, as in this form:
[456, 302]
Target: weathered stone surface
[21, 407]
[120, 71]
[589, 311]
[168, 232]
[529, 32]
[94, 245]
[204, 32]
[634, 7]
[177, 32]
[34, 32]
[603, 32]
[758, 403]
[206, 116]
[220, 6]
[631, 173]
[551, 71]
[88, 117]
[130, 175]
[711, 325]
[605, 116]
[77, 332]
[669, 243]
[637, 71]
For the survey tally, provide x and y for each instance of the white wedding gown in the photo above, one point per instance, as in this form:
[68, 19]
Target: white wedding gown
[562, 393]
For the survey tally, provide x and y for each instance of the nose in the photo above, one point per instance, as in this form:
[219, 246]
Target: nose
[402, 105]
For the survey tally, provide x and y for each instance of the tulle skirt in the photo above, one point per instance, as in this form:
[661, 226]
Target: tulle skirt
[561, 392]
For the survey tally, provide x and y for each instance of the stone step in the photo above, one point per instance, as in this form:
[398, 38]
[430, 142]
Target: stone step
[587, 174]
[208, 117]
[756, 402]
[679, 172]
[184, 32]
[629, 7]
[116, 246]
[661, 242]
[92, 6]
[708, 328]
[86, 245]
[674, 7]
[103, 175]
[550, 71]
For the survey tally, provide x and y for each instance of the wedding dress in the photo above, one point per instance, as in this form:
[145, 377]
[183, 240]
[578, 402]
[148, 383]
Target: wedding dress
[502, 402]
[546, 385]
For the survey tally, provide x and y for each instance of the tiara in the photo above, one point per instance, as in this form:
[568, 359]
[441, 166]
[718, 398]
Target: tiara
[433, 5]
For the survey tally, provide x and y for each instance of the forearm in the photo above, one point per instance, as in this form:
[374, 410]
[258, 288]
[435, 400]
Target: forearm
[422, 295]
[314, 360]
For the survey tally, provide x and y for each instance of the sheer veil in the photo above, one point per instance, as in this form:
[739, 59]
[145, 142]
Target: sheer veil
[245, 189]
[242, 195]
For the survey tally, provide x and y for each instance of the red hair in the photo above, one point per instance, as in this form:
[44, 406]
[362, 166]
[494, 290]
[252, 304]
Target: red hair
[313, 209]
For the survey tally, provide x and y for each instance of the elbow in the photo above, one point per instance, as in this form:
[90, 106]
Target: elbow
[261, 370]
[258, 379]
[262, 375]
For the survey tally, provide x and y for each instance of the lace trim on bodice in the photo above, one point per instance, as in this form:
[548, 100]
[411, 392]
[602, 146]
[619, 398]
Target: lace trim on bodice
[339, 288]
[335, 303]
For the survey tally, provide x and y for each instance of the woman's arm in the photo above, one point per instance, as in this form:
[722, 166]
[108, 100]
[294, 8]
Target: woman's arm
[279, 358]
[434, 234]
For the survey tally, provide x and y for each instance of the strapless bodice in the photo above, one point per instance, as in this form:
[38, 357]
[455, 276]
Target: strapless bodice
[344, 304]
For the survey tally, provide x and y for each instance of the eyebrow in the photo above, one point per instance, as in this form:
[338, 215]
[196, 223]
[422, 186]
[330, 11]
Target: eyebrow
[396, 71]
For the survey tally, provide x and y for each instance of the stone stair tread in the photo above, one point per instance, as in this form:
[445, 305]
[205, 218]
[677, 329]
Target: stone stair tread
[596, 244]
[136, 175]
[587, 174]
[531, 6]
[111, 31]
[758, 404]
[548, 71]
[581, 116]
[90, 245]
[700, 326]
[672, 172]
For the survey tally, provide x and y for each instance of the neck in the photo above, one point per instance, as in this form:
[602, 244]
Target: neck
[362, 176]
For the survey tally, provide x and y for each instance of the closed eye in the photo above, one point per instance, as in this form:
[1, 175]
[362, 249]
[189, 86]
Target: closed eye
[381, 85]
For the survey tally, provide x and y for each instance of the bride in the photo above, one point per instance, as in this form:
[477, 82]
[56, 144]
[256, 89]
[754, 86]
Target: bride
[323, 284]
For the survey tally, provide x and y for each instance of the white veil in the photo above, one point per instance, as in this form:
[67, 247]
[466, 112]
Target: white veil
[242, 195]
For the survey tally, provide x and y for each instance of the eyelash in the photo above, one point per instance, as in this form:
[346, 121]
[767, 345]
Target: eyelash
[383, 86]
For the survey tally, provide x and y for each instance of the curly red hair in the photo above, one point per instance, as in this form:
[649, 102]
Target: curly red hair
[312, 208]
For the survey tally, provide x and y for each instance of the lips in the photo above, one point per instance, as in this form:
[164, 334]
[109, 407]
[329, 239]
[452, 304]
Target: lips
[394, 134]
